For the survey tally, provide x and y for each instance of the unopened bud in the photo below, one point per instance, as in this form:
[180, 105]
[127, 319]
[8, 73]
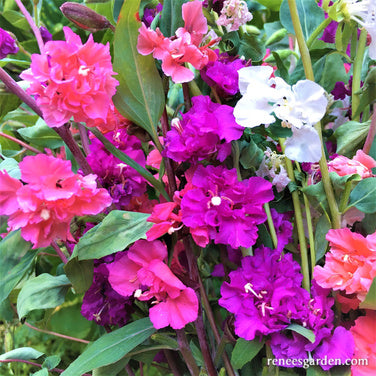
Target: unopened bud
[84, 17]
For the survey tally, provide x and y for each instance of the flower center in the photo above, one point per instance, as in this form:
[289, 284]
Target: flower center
[83, 71]
[216, 201]
[45, 214]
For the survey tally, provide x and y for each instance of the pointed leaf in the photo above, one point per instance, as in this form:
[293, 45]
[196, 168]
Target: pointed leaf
[80, 273]
[363, 197]
[370, 300]
[171, 18]
[118, 230]
[307, 333]
[244, 351]
[23, 353]
[111, 347]
[44, 291]
[350, 135]
[140, 96]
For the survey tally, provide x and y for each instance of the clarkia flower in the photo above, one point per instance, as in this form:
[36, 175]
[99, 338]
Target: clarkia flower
[183, 48]
[234, 14]
[264, 294]
[350, 264]
[44, 207]
[205, 131]
[7, 44]
[143, 273]
[71, 79]
[221, 208]
[299, 107]
[361, 164]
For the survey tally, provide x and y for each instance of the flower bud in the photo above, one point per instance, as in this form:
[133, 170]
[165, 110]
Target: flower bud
[84, 17]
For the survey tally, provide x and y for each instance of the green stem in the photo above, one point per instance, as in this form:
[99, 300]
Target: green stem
[158, 185]
[371, 134]
[308, 70]
[318, 31]
[312, 249]
[272, 231]
[357, 73]
[345, 196]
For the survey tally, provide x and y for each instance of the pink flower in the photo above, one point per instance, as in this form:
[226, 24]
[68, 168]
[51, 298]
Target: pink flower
[234, 14]
[350, 265]
[361, 164]
[72, 79]
[44, 207]
[183, 48]
[143, 273]
[364, 334]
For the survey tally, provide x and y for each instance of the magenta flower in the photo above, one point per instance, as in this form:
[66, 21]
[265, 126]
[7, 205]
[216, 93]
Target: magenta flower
[143, 273]
[205, 131]
[72, 79]
[53, 195]
[264, 294]
[7, 44]
[221, 208]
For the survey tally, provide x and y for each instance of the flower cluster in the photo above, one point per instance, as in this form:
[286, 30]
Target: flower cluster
[234, 13]
[185, 48]
[44, 207]
[142, 272]
[71, 79]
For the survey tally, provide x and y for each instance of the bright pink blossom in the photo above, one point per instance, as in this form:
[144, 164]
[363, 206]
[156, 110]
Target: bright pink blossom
[364, 333]
[183, 48]
[44, 207]
[143, 273]
[350, 265]
[72, 79]
[361, 164]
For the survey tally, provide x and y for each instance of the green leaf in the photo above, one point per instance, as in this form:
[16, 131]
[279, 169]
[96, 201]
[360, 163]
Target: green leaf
[363, 197]
[331, 70]
[171, 18]
[251, 48]
[23, 353]
[370, 300]
[80, 273]
[44, 291]
[244, 351]
[307, 333]
[310, 15]
[118, 230]
[8, 102]
[51, 361]
[10, 165]
[41, 134]
[140, 96]
[350, 136]
[322, 227]
[271, 4]
[111, 369]
[111, 347]
[16, 260]
[41, 372]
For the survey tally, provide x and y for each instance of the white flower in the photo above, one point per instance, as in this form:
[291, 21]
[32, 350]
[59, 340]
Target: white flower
[364, 13]
[304, 145]
[234, 13]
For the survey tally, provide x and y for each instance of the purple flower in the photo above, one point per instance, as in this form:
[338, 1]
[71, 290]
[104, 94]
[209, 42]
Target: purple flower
[101, 302]
[317, 317]
[150, 13]
[223, 74]
[264, 294]
[283, 228]
[221, 208]
[205, 131]
[122, 181]
[7, 44]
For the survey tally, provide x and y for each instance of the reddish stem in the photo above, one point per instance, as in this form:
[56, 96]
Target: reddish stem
[371, 134]
[23, 144]
[59, 252]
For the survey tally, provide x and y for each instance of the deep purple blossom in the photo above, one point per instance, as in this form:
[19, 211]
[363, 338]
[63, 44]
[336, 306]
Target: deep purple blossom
[122, 181]
[264, 294]
[205, 131]
[101, 302]
[150, 13]
[222, 74]
[7, 44]
[283, 227]
[46, 35]
[221, 208]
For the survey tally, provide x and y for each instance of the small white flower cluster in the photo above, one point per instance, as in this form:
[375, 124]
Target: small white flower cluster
[299, 107]
[234, 14]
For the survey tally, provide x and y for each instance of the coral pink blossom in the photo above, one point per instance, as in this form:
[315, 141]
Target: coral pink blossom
[143, 273]
[361, 164]
[364, 333]
[44, 207]
[183, 48]
[72, 79]
[350, 265]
